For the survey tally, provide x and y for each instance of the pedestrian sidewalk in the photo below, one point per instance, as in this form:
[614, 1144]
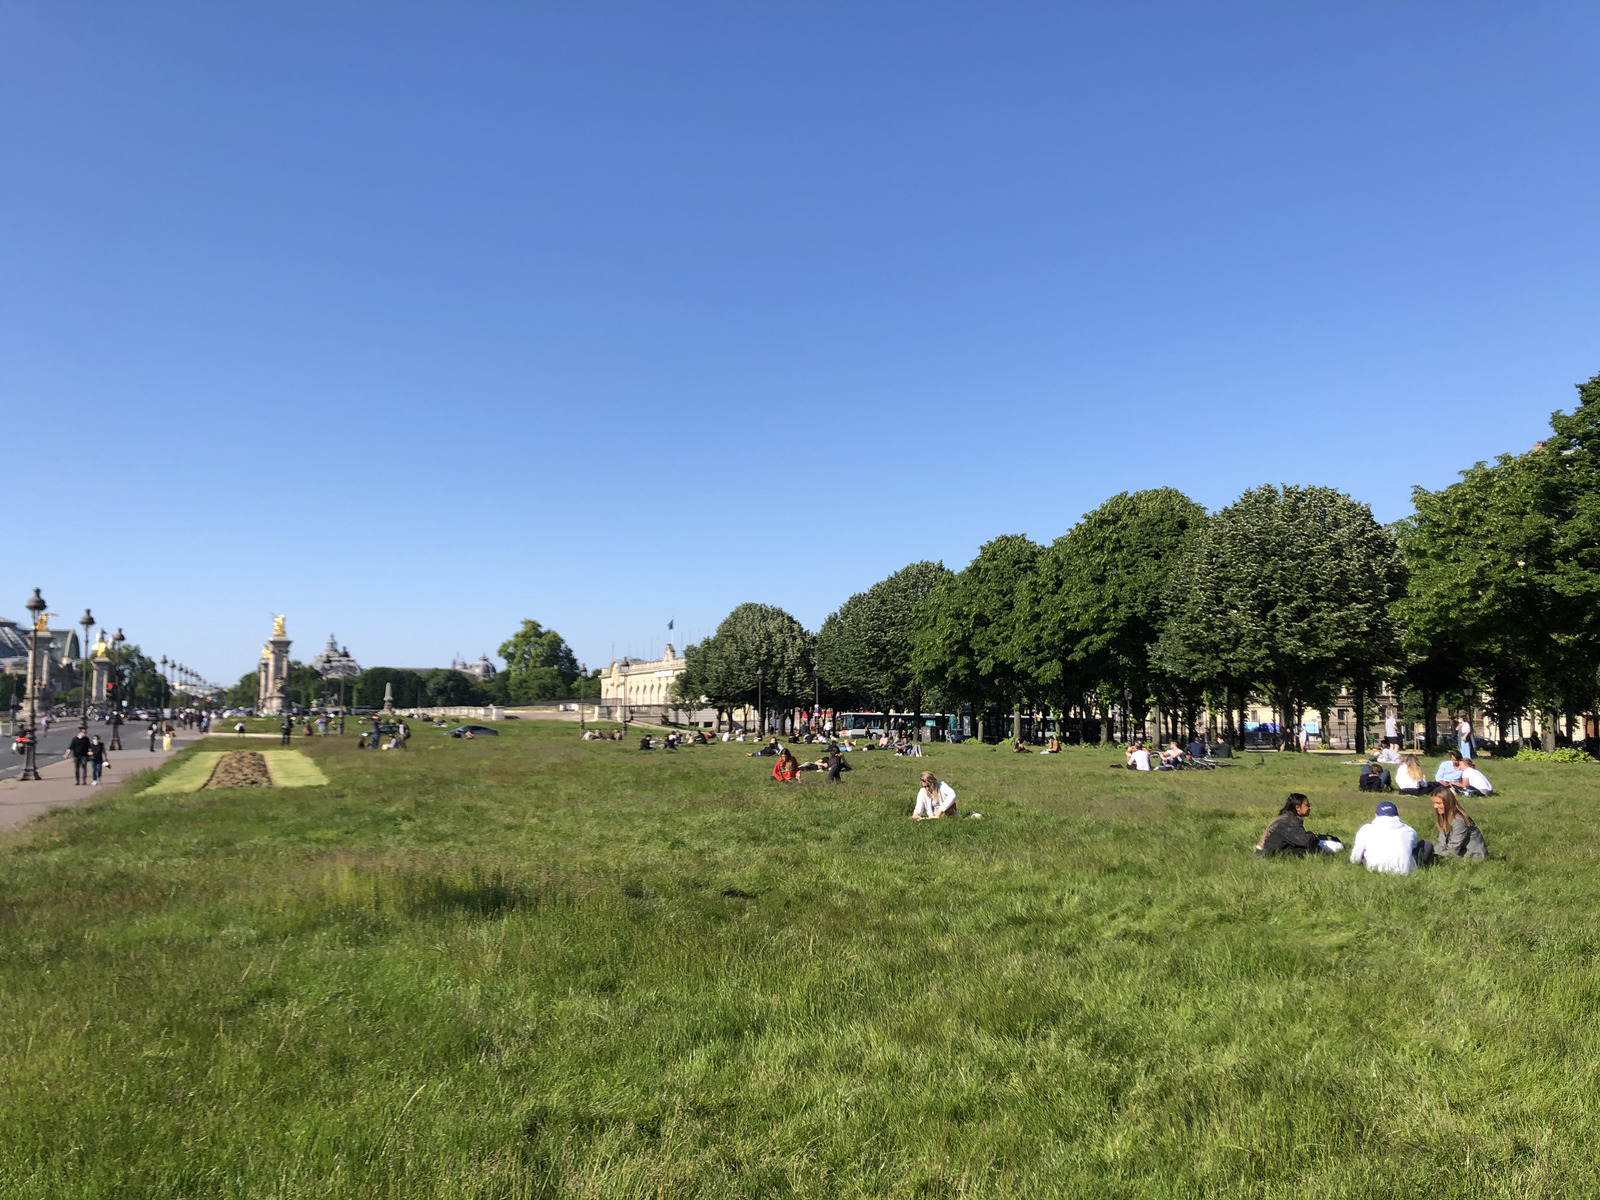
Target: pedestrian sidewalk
[21, 801]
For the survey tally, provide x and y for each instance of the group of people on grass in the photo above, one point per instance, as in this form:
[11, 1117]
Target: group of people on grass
[1197, 754]
[1385, 843]
[788, 768]
[1409, 779]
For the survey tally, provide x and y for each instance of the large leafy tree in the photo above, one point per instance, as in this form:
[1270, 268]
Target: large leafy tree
[969, 637]
[752, 637]
[1504, 593]
[539, 664]
[1289, 589]
[1099, 599]
[864, 649]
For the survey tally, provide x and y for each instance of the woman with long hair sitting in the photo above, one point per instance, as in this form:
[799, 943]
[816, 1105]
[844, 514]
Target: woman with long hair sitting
[1286, 833]
[1459, 836]
[787, 768]
[1409, 778]
[935, 799]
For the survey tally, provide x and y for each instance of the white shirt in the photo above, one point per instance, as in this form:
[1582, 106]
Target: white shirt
[1473, 778]
[1391, 727]
[932, 806]
[1388, 756]
[1140, 759]
[1385, 844]
[1404, 777]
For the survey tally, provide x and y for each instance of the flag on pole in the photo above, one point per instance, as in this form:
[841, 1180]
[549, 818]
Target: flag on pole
[669, 623]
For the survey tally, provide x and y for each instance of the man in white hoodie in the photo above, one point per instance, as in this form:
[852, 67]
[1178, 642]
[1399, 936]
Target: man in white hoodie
[1388, 844]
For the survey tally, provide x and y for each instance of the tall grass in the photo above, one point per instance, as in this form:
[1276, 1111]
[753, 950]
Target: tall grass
[530, 966]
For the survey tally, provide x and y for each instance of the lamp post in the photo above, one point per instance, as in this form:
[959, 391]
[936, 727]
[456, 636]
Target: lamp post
[30, 765]
[583, 674]
[86, 621]
[816, 700]
[116, 675]
[761, 712]
[161, 697]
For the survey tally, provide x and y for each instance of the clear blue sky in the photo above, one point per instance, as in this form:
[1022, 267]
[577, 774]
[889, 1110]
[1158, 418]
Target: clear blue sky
[414, 320]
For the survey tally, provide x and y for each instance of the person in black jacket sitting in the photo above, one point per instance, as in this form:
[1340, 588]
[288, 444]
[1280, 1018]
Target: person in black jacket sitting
[1286, 833]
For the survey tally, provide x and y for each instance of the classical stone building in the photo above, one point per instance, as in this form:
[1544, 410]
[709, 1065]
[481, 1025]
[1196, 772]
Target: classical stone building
[59, 653]
[638, 689]
[483, 670]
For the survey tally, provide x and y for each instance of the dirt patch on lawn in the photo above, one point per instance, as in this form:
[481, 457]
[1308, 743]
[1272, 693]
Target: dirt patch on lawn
[240, 768]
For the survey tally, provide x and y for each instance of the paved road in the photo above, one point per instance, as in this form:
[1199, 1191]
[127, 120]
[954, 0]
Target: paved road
[52, 745]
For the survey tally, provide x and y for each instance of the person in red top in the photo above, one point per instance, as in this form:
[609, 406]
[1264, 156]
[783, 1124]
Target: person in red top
[786, 768]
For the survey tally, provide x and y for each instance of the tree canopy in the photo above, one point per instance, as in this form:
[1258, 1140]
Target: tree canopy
[864, 649]
[1098, 600]
[970, 633]
[540, 666]
[1286, 590]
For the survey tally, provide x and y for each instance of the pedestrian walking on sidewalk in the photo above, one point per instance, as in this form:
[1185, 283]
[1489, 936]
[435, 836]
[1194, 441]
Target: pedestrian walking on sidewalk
[155, 731]
[286, 729]
[78, 748]
[97, 757]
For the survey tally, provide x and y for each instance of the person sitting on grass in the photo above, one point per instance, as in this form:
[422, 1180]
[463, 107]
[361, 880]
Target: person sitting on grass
[1387, 844]
[1138, 757]
[1018, 748]
[935, 799]
[836, 765]
[787, 768]
[1053, 746]
[1449, 770]
[1374, 778]
[1473, 781]
[1286, 833]
[1196, 747]
[1459, 836]
[1172, 758]
[1409, 778]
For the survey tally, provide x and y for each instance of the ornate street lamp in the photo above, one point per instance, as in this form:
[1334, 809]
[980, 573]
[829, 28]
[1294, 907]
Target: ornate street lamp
[816, 702]
[583, 673]
[116, 685]
[35, 606]
[87, 621]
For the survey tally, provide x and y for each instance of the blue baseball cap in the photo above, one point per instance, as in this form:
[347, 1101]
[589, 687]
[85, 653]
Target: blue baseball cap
[1387, 809]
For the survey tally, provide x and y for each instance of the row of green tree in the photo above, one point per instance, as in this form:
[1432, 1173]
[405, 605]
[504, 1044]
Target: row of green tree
[540, 667]
[1491, 587]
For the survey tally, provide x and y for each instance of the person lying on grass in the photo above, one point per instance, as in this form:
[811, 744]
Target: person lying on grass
[787, 768]
[1459, 836]
[935, 799]
[1286, 833]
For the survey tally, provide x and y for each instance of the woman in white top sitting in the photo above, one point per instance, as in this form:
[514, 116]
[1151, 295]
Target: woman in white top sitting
[934, 800]
[1138, 757]
[1408, 776]
[1473, 781]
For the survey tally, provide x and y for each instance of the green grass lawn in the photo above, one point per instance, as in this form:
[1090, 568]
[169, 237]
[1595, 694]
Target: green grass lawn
[533, 966]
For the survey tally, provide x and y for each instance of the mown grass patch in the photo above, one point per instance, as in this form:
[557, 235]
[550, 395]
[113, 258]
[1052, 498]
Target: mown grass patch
[531, 966]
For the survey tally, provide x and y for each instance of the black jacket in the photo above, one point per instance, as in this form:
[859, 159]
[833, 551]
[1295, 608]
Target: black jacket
[1286, 834]
[79, 746]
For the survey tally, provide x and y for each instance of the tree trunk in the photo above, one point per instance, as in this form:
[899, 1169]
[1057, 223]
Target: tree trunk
[1360, 697]
[1016, 722]
[1547, 731]
[1430, 721]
